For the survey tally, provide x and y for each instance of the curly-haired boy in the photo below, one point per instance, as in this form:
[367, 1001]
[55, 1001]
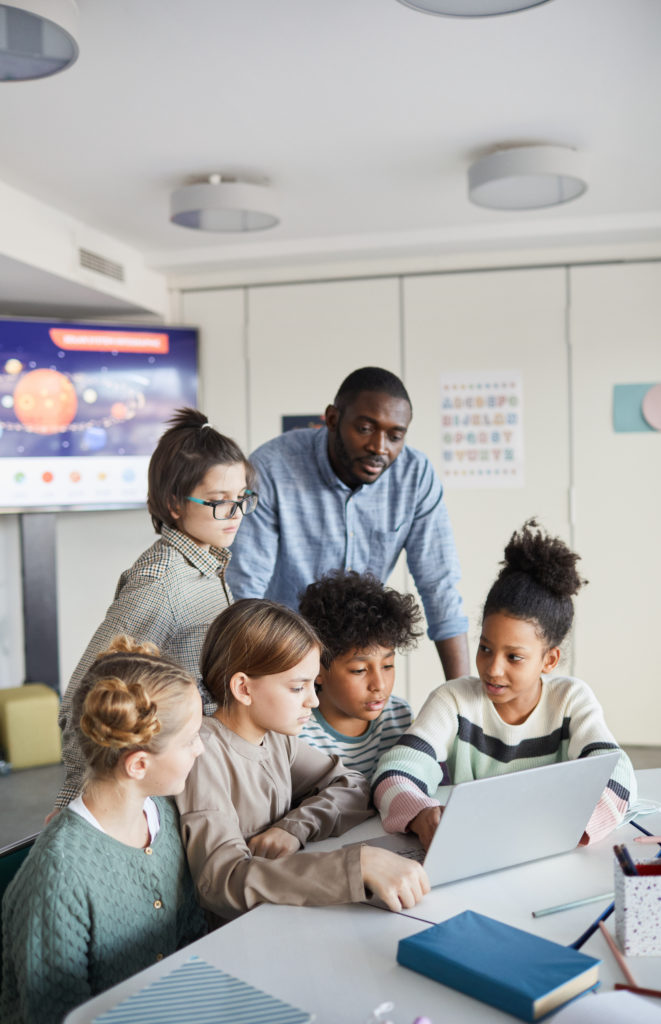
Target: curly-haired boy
[361, 624]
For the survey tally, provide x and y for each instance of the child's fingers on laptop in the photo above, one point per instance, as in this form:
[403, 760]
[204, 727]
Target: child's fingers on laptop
[425, 824]
[397, 881]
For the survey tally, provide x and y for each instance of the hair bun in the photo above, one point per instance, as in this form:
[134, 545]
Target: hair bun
[123, 644]
[546, 560]
[119, 715]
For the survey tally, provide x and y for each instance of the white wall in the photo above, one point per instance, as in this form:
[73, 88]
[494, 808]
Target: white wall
[11, 604]
[498, 321]
[616, 339]
[92, 549]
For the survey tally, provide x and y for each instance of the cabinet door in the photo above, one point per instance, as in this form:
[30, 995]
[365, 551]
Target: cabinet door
[306, 338]
[615, 325]
[220, 316]
[491, 321]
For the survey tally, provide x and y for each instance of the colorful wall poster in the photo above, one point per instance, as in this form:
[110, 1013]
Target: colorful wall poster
[482, 429]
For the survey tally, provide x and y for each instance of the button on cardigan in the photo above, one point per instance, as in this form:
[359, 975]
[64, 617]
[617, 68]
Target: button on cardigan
[80, 915]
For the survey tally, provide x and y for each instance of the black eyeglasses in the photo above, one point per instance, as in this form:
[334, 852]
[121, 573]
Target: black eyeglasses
[226, 508]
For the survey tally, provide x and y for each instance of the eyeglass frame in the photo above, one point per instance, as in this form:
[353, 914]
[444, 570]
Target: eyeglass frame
[235, 504]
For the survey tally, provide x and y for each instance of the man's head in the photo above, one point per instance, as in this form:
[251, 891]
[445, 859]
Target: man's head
[361, 624]
[367, 425]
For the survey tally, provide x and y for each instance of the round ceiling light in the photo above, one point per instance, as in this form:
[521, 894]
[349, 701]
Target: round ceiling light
[223, 205]
[527, 178]
[470, 8]
[37, 38]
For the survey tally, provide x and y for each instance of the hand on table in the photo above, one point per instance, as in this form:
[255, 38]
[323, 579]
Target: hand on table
[274, 842]
[425, 824]
[396, 880]
[648, 839]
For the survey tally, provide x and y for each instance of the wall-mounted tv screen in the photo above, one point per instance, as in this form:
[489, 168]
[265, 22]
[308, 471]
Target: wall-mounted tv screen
[82, 407]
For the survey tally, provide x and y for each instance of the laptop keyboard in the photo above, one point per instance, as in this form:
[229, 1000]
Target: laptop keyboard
[416, 854]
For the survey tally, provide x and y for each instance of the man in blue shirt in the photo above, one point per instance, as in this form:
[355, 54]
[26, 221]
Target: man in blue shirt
[351, 496]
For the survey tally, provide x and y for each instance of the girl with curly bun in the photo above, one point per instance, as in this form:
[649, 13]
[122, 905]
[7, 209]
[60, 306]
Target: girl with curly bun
[105, 890]
[517, 713]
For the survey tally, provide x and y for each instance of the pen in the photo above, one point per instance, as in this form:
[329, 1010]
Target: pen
[621, 859]
[616, 953]
[639, 991]
[625, 860]
[582, 939]
[640, 828]
[572, 904]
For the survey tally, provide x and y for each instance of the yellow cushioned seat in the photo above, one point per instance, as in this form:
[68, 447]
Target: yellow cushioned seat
[29, 733]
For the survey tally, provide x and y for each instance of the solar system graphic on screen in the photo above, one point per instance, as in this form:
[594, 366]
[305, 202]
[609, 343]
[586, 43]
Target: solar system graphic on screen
[82, 408]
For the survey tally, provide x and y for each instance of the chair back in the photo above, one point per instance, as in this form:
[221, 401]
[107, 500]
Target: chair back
[11, 858]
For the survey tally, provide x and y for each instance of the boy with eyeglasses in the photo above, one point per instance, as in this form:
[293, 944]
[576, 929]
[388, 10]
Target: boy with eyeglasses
[200, 487]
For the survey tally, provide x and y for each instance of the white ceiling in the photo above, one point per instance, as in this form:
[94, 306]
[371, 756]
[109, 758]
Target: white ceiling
[363, 114]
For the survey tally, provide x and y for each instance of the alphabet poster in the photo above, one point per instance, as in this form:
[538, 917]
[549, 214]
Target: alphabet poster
[482, 429]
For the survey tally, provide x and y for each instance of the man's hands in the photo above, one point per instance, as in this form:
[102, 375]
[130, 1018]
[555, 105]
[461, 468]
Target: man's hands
[272, 843]
[396, 880]
[425, 824]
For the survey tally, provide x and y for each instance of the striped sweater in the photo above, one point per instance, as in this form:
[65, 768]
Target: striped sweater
[459, 736]
[360, 752]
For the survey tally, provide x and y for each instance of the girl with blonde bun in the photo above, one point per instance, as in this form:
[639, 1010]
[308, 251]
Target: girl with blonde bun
[105, 891]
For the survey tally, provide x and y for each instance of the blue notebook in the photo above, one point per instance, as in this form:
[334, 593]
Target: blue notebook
[198, 992]
[511, 969]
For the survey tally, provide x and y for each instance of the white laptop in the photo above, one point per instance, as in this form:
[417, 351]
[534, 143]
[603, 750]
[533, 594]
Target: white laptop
[504, 820]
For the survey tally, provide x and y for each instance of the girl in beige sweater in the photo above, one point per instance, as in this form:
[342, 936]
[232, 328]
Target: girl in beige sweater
[258, 794]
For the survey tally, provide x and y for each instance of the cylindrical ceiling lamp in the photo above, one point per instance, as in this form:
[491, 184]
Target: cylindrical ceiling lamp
[37, 38]
[470, 8]
[527, 178]
[223, 205]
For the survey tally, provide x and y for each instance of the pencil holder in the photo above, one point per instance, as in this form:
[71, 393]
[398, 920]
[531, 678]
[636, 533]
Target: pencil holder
[638, 909]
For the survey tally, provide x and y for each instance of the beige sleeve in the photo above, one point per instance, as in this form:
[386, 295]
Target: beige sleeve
[229, 880]
[328, 798]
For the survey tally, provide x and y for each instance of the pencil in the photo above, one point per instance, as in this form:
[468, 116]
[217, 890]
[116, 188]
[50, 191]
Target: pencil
[582, 939]
[616, 953]
[646, 833]
[639, 991]
[628, 860]
[572, 904]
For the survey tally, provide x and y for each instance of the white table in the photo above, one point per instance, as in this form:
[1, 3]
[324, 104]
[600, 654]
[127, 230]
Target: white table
[339, 962]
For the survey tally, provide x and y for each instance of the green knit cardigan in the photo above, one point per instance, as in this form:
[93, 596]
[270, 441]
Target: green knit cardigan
[86, 911]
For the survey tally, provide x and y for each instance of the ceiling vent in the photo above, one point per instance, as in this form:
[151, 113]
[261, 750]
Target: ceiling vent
[100, 264]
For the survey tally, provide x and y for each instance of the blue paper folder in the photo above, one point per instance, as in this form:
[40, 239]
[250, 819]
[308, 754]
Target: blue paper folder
[198, 992]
